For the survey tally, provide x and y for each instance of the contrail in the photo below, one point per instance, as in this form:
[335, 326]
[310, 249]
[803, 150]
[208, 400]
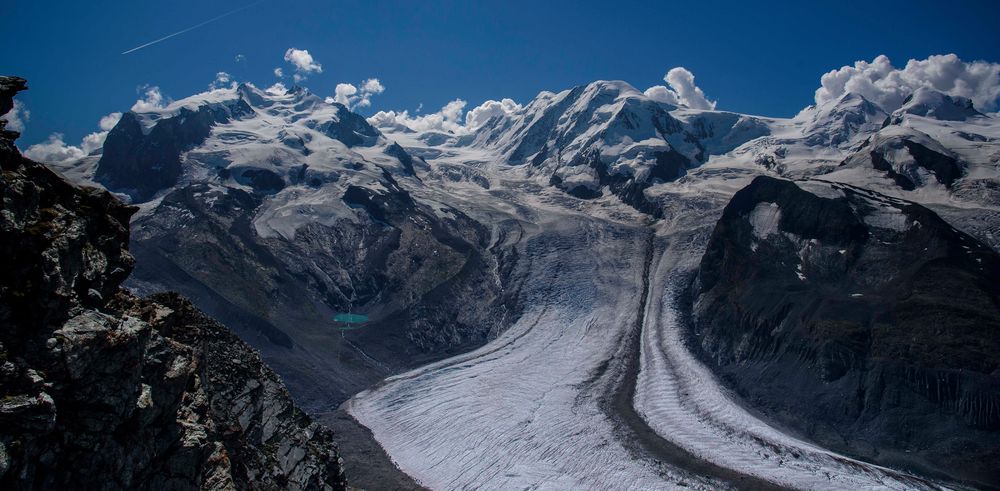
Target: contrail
[213, 19]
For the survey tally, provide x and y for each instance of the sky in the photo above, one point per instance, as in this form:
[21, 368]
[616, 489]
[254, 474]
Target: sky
[750, 57]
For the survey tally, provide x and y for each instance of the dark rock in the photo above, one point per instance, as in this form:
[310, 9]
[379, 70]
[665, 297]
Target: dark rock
[865, 322]
[397, 151]
[904, 158]
[103, 390]
[261, 180]
[350, 128]
[141, 164]
[8, 87]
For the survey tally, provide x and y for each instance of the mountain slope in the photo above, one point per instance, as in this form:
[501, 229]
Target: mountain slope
[866, 322]
[280, 211]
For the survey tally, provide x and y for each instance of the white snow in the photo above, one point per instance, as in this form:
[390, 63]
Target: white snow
[522, 412]
[764, 219]
[888, 218]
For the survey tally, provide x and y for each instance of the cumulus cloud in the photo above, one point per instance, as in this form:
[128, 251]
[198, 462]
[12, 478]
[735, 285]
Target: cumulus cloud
[240, 58]
[354, 97]
[222, 80]
[17, 116]
[372, 86]
[109, 121]
[680, 90]
[278, 72]
[486, 111]
[55, 150]
[449, 118]
[452, 111]
[151, 100]
[303, 62]
[660, 93]
[277, 89]
[888, 86]
[344, 92]
[95, 140]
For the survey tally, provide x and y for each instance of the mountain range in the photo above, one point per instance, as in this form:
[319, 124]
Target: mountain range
[595, 289]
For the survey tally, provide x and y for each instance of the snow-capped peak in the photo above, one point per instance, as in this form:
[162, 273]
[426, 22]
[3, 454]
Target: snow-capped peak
[931, 103]
[841, 121]
[245, 136]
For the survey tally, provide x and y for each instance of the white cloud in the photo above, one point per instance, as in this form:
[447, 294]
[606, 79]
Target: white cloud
[353, 97]
[222, 80]
[372, 86]
[479, 115]
[278, 72]
[109, 121]
[303, 62]
[277, 89]
[17, 117]
[660, 93]
[93, 141]
[449, 119]
[888, 86]
[54, 151]
[240, 58]
[343, 93]
[151, 100]
[452, 111]
[682, 90]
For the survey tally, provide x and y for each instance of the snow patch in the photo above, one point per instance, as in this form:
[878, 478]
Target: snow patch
[765, 219]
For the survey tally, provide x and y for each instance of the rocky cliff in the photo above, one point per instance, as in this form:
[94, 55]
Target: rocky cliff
[864, 322]
[104, 390]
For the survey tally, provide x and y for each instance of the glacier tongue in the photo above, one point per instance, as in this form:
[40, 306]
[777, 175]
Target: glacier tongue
[529, 409]
[523, 411]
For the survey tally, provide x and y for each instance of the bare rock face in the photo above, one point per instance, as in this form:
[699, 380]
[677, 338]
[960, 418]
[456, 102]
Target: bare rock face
[140, 163]
[8, 87]
[865, 322]
[103, 390]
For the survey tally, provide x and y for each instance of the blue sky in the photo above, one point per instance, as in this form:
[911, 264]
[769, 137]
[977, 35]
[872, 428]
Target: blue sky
[762, 58]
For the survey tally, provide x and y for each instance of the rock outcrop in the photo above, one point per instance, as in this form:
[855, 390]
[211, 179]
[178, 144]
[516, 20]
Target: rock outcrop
[141, 161]
[865, 322]
[100, 389]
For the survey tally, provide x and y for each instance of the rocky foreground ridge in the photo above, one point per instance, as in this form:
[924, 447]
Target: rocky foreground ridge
[100, 389]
